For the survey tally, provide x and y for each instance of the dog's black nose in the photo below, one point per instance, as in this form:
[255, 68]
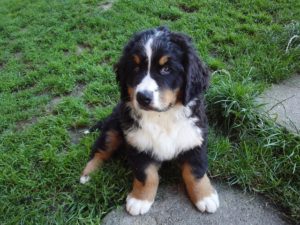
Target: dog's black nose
[144, 98]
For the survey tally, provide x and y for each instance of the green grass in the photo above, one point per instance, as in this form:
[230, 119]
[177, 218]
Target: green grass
[56, 77]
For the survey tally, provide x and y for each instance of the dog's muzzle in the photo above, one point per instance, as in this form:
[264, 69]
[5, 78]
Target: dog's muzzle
[144, 98]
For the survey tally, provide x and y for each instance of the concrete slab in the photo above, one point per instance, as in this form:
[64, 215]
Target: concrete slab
[283, 103]
[172, 207]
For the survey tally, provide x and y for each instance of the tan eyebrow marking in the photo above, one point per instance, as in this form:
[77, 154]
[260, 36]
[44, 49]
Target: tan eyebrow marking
[163, 60]
[136, 59]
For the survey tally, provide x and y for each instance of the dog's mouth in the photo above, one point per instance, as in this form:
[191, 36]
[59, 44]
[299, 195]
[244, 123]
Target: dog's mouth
[151, 108]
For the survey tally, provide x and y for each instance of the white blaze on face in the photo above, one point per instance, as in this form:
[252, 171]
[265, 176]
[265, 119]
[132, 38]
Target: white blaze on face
[148, 49]
[148, 83]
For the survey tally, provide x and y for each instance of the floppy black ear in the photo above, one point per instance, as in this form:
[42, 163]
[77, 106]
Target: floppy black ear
[120, 70]
[121, 67]
[197, 74]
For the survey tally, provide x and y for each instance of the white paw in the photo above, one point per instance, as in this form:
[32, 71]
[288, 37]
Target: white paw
[84, 179]
[135, 206]
[209, 204]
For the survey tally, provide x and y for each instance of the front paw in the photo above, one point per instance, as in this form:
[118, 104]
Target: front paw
[209, 203]
[136, 206]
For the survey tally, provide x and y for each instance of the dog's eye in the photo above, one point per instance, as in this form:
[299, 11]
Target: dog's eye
[136, 69]
[165, 70]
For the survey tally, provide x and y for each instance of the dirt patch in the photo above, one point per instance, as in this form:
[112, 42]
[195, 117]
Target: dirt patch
[105, 61]
[51, 105]
[106, 5]
[66, 52]
[188, 9]
[28, 87]
[21, 125]
[78, 91]
[214, 53]
[23, 30]
[76, 135]
[171, 17]
[1, 65]
[82, 48]
[18, 55]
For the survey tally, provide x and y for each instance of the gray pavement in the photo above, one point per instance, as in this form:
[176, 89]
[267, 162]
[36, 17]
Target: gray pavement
[282, 102]
[172, 207]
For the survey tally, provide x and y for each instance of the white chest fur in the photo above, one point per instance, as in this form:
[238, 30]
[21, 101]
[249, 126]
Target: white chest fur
[166, 134]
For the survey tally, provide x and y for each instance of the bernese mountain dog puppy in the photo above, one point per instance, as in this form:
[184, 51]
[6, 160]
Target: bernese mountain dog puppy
[161, 116]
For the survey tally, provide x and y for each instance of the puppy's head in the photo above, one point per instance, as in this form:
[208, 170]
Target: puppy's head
[159, 69]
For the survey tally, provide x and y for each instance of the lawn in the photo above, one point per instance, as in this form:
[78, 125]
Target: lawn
[56, 78]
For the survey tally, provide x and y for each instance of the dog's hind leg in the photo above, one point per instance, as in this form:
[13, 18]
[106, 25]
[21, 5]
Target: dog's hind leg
[109, 141]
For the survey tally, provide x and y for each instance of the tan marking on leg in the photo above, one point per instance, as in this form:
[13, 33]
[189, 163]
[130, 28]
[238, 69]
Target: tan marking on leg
[163, 60]
[196, 188]
[136, 59]
[112, 142]
[93, 164]
[146, 190]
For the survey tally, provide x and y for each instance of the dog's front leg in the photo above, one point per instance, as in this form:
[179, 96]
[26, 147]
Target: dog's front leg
[200, 190]
[145, 184]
